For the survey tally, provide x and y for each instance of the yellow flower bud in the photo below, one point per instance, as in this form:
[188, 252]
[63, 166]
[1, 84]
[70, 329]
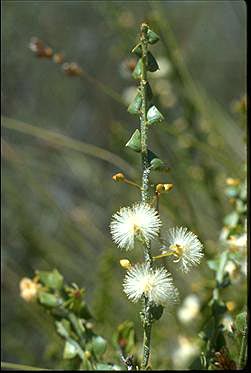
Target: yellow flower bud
[87, 354]
[72, 69]
[168, 187]
[119, 177]
[230, 306]
[160, 188]
[232, 182]
[58, 58]
[125, 263]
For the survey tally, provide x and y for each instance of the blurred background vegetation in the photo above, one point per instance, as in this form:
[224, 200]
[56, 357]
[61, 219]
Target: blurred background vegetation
[63, 138]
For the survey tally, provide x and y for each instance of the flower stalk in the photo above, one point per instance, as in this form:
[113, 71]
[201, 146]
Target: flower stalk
[145, 195]
[141, 222]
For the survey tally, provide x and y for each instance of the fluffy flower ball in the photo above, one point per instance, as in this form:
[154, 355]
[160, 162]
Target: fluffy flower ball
[140, 220]
[186, 247]
[156, 284]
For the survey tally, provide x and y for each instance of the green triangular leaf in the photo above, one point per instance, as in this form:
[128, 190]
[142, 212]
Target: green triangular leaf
[137, 72]
[154, 115]
[156, 164]
[135, 143]
[152, 36]
[135, 106]
[152, 64]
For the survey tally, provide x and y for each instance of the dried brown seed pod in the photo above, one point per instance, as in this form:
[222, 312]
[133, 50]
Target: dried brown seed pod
[72, 69]
[58, 58]
[38, 47]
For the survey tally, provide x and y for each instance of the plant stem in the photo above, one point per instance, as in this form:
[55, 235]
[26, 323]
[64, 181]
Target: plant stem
[145, 195]
[147, 335]
[243, 351]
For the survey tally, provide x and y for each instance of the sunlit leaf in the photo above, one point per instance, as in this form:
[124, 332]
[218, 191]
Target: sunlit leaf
[134, 142]
[154, 116]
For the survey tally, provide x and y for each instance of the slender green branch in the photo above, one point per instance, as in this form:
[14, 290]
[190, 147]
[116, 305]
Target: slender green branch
[6, 365]
[65, 141]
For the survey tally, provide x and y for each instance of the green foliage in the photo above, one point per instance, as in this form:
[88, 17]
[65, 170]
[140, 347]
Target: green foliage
[134, 142]
[67, 306]
[223, 348]
[125, 337]
[49, 300]
[99, 345]
[154, 116]
[241, 322]
[152, 36]
[52, 280]
[156, 164]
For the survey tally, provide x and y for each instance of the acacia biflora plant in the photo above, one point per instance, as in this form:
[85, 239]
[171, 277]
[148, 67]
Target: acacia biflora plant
[138, 224]
[147, 282]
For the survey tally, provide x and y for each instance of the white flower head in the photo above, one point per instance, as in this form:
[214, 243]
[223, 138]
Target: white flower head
[190, 308]
[156, 284]
[186, 247]
[140, 220]
[186, 350]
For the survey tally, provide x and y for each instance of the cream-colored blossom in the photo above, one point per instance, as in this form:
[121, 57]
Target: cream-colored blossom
[156, 284]
[139, 221]
[190, 308]
[184, 353]
[186, 247]
[28, 289]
